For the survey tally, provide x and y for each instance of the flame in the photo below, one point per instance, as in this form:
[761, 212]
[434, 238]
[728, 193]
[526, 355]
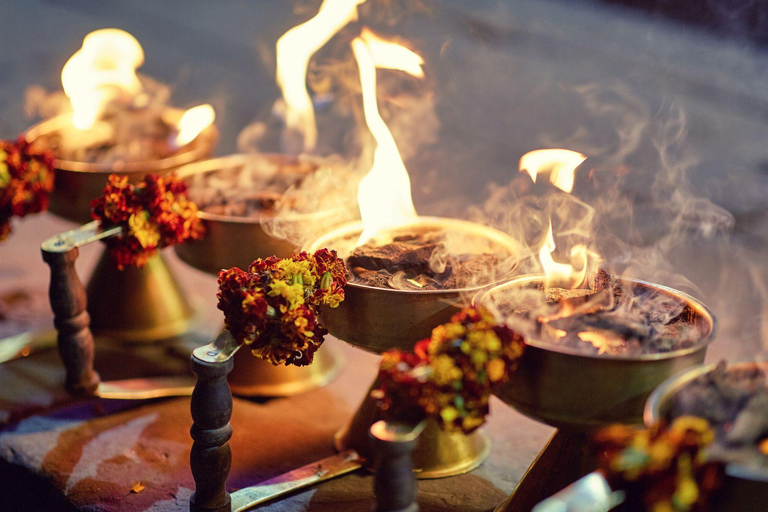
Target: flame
[102, 70]
[384, 194]
[560, 163]
[294, 49]
[562, 274]
[600, 341]
[194, 121]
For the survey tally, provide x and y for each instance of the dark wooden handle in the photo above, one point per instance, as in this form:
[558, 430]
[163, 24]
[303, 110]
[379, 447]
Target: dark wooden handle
[395, 483]
[75, 340]
[211, 457]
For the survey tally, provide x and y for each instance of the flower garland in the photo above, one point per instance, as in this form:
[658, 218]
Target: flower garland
[273, 307]
[663, 468]
[26, 179]
[450, 376]
[154, 214]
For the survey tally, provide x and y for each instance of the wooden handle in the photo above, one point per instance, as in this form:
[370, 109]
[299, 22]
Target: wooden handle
[75, 340]
[395, 483]
[211, 457]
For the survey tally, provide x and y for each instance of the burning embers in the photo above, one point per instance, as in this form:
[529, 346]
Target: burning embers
[110, 112]
[612, 317]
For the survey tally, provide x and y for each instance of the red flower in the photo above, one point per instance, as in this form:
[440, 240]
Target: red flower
[450, 376]
[26, 180]
[154, 214]
[273, 307]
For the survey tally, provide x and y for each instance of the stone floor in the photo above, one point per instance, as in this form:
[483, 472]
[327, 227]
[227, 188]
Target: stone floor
[680, 108]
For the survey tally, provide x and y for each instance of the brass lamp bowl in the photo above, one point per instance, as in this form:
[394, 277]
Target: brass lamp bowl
[377, 320]
[744, 487]
[137, 305]
[77, 183]
[233, 241]
[578, 393]
[566, 388]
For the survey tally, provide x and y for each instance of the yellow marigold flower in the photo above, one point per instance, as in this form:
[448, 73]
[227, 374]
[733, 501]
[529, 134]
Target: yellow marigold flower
[144, 231]
[683, 424]
[496, 370]
[449, 414]
[293, 293]
[687, 492]
[288, 268]
[485, 339]
[446, 332]
[663, 506]
[472, 422]
[444, 370]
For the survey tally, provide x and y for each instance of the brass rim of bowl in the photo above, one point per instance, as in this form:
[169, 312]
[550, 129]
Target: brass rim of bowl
[195, 149]
[225, 162]
[699, 307]
[671, 386]
[357, 227]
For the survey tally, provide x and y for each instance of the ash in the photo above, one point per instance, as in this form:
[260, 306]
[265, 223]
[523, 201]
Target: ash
[408, 262]
[130, 130]
[735, 402]
[252, 190]
[610, 318]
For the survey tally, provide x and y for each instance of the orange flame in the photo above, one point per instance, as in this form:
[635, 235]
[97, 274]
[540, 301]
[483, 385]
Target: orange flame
[560, 163]
[194, 121]
[601, 342]
[102, 70]
[384, 194]
[294, 50]
[563, 275]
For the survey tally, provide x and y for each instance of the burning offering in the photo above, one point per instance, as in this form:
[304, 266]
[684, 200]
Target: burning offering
[611, 317]
[111, 113]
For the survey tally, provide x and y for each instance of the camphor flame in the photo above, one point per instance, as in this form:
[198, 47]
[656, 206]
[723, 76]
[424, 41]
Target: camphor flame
[101, 71]
[560, 163]
[194, 121]
[294, 50]
[563, 275]
[384, 194]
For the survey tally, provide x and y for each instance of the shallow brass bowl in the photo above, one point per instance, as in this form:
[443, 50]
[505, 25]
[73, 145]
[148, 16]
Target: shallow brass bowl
[565, 388]
[380, 319]
[744, 488]
[233, 241]
[77, 183]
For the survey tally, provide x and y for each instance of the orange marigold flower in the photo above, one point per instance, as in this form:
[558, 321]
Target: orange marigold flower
[450, 376]
[154, 214]
[26, 180]
[273, 307]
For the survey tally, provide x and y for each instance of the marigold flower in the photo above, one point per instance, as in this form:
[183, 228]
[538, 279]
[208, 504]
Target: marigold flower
[450, 376]
[154, 214]
[663, 467]
[26, 180]
[273, 307]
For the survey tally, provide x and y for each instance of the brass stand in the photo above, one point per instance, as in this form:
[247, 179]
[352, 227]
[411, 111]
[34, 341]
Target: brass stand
[253, 377]
[564, 459]
[439, 454]
[137, 304]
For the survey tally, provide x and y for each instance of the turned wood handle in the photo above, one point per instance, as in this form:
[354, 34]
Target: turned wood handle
[395, 483]
[75, 340]
[211, 457]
